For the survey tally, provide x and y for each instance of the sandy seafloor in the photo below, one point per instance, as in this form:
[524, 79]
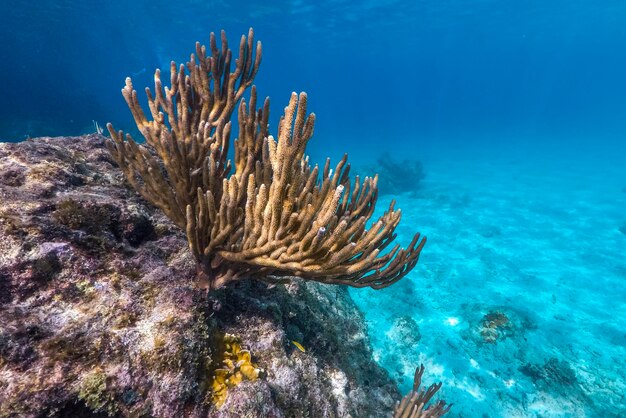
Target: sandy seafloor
[533, 234]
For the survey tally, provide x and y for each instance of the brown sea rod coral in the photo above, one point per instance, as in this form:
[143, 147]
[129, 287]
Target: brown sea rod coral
[268, 214]
[415, 404]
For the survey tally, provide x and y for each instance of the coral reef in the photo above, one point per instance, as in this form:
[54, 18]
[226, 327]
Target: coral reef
[99, 317]
[273, 217]
[495, 326]
[554, 376]
[397, 176]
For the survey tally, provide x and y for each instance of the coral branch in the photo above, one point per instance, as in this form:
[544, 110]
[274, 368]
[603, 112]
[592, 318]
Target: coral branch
[414, 403]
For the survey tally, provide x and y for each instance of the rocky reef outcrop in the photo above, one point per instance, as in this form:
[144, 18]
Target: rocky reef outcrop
[98, 315]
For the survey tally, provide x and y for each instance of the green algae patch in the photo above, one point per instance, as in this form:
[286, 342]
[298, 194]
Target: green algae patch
[93, 392]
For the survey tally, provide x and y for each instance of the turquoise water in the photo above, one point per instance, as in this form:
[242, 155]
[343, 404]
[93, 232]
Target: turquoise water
[534, 235]
[517, 111]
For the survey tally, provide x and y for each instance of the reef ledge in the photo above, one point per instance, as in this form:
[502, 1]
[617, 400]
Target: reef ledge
[98, 315]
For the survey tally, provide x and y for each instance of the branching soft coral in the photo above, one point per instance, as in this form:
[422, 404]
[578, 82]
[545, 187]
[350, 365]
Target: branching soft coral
[273, 216]
[414, 403]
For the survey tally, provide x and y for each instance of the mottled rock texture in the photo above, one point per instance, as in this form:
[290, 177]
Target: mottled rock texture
[98, 316]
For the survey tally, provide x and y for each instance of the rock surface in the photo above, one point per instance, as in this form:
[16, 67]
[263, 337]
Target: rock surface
[98, 316]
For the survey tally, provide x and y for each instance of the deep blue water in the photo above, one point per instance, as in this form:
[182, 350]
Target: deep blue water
[417, 71]
[516, 109]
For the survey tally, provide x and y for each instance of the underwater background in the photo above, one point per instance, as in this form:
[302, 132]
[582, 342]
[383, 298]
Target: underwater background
[499, 127]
